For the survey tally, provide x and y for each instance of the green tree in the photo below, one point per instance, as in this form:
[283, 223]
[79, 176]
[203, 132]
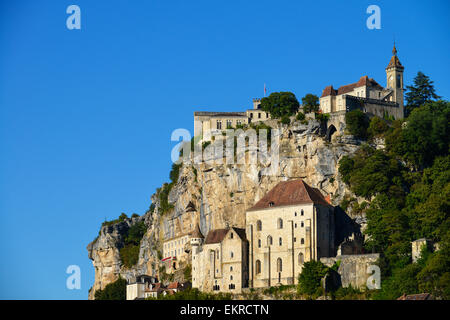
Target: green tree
[357, 123]
[280, 104]
[425, 135]
[420, 92]
[309, 281]
[377, 126]
[113, 291]
[310, 103]
[300, 116]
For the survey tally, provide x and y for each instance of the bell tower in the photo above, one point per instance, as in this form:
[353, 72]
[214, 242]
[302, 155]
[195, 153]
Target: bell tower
[394, 78]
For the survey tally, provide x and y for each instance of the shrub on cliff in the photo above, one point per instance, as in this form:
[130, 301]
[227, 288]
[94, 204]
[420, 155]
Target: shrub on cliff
[113, 291]
[357, 123]
[280, 104]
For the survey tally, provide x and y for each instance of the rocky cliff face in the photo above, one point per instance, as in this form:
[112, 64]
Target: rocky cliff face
[220, 195]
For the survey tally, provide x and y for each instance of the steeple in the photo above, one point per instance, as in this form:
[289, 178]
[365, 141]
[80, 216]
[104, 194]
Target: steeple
[394, 50]
[394, 78]
[394, 62]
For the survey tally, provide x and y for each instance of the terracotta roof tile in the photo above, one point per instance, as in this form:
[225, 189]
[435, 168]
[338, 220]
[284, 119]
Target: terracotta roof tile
[290, 193]
[216, 236]
[328, 91]
[174, 285]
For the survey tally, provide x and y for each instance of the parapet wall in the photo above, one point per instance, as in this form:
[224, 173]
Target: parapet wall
[353, 268]
[373, 106]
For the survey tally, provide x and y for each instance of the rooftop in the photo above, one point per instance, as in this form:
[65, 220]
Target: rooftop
[290, 193]
[217, 235]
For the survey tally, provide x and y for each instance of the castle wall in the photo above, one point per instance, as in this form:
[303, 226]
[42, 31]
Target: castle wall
[353, 268]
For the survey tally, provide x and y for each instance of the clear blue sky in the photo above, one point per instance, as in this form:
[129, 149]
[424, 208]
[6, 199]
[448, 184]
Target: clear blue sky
[86, 115]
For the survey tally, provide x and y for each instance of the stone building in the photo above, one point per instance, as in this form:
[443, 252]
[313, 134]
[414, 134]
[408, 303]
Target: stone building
[367, 95]
[137, 289]
[207, 124]
[220, 262]
[290, 225]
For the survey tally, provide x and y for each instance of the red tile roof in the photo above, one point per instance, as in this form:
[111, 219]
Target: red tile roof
[328, 91]
[363, 81]
[217, 235]
[174, 285]
[290, 193]
[420, 296]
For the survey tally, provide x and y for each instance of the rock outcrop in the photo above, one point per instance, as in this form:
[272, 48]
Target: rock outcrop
[220, 195]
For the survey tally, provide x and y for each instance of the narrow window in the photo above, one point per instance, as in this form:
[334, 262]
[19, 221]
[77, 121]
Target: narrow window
[279, 265]
[280, 241]
[259, 243]
[280, 223]
[258, 267]
[269, 240]
[258, 225]
[302, 241]
[301, 258]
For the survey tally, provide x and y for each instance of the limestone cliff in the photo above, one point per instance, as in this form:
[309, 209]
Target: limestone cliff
[220, 194]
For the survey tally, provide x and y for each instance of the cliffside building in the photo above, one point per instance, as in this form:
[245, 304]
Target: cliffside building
[220, 262]
[290, 225]
[207, 124]
[367, 95]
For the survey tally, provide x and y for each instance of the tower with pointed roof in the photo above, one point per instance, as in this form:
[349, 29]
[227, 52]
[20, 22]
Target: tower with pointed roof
[394, 78]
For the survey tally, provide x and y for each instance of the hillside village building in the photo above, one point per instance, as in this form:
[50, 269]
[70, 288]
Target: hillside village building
[207, 124]
[290, 225]
[368, 95]
[220, 262]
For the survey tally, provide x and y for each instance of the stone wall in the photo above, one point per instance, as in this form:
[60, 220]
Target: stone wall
[374, 107]
[353, 268]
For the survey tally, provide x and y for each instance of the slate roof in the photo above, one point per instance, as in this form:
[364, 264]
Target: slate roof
[290, 193]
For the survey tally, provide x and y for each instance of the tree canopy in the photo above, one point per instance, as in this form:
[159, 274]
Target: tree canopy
[310, 103]
[420, 92]
[280, 104]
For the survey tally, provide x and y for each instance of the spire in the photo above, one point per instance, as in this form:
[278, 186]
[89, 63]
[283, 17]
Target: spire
[394, 62]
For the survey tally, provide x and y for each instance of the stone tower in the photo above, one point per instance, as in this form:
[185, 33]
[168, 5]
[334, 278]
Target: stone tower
[394, 78]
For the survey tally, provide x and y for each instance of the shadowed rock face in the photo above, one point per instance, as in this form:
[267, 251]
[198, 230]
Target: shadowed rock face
[220, 195]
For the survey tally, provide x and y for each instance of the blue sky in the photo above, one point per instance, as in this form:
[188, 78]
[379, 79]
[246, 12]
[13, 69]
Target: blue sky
[86, 115]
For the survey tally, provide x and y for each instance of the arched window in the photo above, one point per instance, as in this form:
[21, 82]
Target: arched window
[279, 265]
[258, 266]
[302, 241]
[231, 268]
[258, 225]
[259, 243]
[217, 253]
[301, 258]
[302, 213]
[280, 223]
[280, 241]
[232, 254]
[269, 240]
